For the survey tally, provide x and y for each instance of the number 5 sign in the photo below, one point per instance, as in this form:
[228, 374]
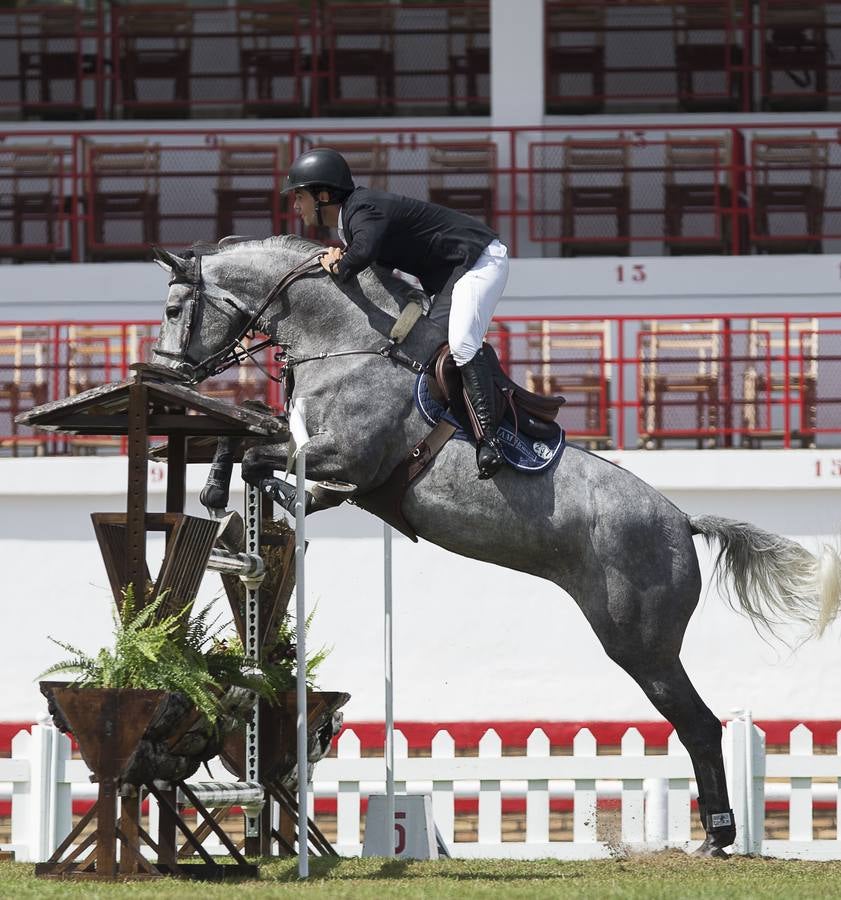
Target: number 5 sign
[415, 834]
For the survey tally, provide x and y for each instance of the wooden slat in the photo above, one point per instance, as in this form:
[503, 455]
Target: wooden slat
[185, 563]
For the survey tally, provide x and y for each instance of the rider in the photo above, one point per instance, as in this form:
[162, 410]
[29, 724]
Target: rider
[458, 260]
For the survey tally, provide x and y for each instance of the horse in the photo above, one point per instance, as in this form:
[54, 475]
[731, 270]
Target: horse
[619, 548]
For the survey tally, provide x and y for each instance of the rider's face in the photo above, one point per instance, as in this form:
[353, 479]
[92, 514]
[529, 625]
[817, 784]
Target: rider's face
[304, 205]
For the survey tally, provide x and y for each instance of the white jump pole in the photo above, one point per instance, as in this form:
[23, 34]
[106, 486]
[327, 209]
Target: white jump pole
[389, 695]
[298, 427]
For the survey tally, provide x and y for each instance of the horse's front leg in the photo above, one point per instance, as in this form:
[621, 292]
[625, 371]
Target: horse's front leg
[216, 492]
[259, 465]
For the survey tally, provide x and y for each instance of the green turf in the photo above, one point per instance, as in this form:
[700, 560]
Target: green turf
[662, 875]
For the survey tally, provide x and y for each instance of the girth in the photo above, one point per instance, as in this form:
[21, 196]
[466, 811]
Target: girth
[386, 501]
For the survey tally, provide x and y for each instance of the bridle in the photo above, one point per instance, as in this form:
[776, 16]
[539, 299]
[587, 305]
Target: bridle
[234, 353]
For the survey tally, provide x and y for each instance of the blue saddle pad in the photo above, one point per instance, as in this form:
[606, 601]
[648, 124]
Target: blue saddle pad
[524, 453]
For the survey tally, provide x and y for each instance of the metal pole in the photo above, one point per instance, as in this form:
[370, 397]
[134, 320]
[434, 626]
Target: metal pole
[301, 657]
[389, 695]
[251, 580]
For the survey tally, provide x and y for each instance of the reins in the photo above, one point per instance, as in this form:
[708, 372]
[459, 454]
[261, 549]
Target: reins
[389, 351]
[235, 352]
[403, 324]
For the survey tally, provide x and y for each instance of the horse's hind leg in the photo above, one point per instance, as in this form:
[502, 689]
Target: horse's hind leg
[668, 687]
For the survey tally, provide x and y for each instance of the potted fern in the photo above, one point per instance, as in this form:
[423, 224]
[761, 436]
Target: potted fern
[205, 686]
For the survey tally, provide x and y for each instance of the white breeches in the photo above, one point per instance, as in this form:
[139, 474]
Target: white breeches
[475, 296]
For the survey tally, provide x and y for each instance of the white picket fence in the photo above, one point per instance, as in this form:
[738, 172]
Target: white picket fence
[654, 792]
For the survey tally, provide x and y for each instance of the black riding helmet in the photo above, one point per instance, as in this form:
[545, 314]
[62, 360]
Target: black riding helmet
[317, 170]
[321, 168]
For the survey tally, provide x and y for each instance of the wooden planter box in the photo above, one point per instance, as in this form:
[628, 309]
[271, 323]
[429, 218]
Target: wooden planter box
[110, 726]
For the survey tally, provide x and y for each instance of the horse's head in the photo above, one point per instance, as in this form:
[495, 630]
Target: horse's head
[218, 293]
[207, 311]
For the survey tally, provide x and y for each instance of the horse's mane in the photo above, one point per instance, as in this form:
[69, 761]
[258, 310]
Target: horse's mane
[400, 290]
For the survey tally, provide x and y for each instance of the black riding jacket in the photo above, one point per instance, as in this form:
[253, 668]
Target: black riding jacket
[423, 239]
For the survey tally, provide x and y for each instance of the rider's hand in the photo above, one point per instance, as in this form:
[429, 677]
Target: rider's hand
[330, 259]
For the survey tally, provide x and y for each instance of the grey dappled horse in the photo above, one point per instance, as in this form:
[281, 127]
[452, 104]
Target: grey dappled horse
[620, 549]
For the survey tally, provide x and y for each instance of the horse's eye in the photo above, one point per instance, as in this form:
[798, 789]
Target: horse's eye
[172, 312]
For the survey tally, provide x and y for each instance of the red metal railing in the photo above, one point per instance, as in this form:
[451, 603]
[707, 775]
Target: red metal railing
[309, 58]
[589, 190]
[303, 58]
[704, 56]
[707, 381]
[44, 361]
[746, 380]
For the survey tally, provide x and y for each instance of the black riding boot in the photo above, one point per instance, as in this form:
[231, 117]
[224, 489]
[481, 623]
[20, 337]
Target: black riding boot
[479, 391]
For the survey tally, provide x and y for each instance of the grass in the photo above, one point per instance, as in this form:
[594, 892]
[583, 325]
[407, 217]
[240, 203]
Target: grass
[647, 877]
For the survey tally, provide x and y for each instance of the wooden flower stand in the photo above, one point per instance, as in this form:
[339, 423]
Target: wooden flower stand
[109, 724]
[278, 757]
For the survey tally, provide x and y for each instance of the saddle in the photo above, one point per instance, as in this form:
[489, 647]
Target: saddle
[533, 414]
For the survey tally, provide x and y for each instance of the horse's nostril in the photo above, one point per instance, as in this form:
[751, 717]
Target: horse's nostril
[172, 312]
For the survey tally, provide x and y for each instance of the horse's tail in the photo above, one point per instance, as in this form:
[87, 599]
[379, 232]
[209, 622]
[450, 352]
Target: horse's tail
[774, 579]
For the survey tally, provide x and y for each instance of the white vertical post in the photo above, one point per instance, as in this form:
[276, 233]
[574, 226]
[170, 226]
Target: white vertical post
[756, 799]
[537, 791]
[490, 794]
[388, 823]
[41, 806]
[154, 814]
[680, 828]
[750, 819]
[736, 756]
[26, 797]
[347, 799]
[301, 656]
[62, 809]
[443, 797]
[800, 805]
[633, 815]
[401, 751]
[656, 811]
[584, 802]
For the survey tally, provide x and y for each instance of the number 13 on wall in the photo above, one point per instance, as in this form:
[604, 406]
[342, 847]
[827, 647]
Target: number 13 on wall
[634, 272]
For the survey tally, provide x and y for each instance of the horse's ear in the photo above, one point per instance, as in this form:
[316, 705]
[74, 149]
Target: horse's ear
[169, 261]
[233, 239]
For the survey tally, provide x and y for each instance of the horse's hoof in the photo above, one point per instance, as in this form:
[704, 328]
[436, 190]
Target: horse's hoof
[326, 494]
[214, 497]
[710, 849]
[231, 532]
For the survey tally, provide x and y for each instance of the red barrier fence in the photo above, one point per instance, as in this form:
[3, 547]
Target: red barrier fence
[708, 381]
[94, 195]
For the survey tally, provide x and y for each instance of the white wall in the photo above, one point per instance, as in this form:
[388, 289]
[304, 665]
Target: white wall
[471, 641]
[691, 285]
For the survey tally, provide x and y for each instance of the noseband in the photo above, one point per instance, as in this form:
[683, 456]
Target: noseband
[234, 352]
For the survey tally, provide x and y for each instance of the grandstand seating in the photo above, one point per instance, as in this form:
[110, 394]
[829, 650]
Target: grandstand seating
[659, 171]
